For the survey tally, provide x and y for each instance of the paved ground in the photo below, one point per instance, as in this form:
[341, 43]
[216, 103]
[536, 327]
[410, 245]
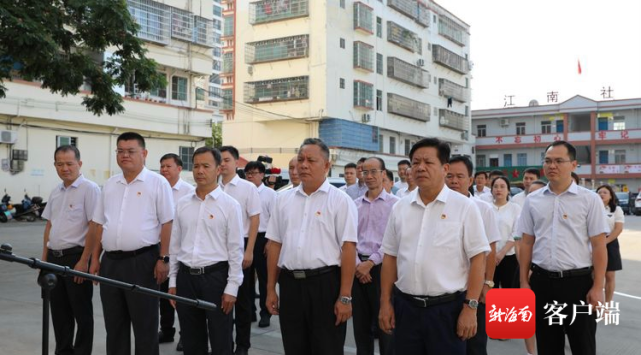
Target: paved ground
[20, 304]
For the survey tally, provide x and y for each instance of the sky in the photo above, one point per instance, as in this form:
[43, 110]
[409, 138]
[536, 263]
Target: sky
[530, 48]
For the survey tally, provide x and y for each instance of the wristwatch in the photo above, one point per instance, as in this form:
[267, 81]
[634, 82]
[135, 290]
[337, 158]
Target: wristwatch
[345, 299]
[472, 303]
[489, 283]
[164, 258]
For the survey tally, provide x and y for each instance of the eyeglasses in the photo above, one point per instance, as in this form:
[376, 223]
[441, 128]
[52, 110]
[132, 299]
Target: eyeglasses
[251, 173]
[128, 152]
[371, 172]
[555, 161]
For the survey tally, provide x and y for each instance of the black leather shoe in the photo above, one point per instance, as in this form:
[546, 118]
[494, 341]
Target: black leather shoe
[179, 346]
[165, 337]
[241, 351]
[264, 322]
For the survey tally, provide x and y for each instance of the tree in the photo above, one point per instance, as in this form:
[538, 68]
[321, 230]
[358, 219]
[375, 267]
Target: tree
[216, 140]
[55, 41]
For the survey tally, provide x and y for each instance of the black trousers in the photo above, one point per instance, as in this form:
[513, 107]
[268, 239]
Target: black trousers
[70, 304]
[428, 331]
[260, 264]
[123, 309]
[307, 314]
[365, 307]
[198, 325]
[550, 339]
[477, 345]
[506, 274]
[167, 312]
[243, 308]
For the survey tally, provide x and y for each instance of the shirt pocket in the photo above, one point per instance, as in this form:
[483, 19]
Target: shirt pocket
[76, 212]
[447, 235]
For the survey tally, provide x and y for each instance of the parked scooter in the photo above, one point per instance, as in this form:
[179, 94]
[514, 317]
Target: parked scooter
[27, 210]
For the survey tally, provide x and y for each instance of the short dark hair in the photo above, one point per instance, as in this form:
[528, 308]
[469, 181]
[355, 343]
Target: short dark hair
[381, 161]
[132, 136]
[390, 175]
[496, 173]
[350, 166]
[568, 146]
[204, 150]
[173, 156]
[442, 148]
[507, 181]
[231, 150]
[575, 177]
[361, 160]
[480, 173]
[533, 171]
[255, 165]
[319, 143]
[67, 148]
[404, 162]
[614, 201]
[465, 160]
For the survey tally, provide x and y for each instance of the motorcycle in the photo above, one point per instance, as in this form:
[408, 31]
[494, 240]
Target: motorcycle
[27, 210]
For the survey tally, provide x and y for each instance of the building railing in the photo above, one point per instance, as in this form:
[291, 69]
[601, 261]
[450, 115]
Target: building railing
[453, 120]
[277, 49]
[228, 102]
[363, 17]
[266, 11]
[203, 31]
[450, 59]
[406, 107]
[363, 94]
[182, 24]
[416, 10]
[407, 73]
[452, 30]
[363, 56]
[455, 91]
[228, 26]
[403, 37]
[295, 88]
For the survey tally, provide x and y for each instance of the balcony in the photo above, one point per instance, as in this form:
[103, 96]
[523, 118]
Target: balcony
[277, 49]
[153, 19]
[182, 24]
[405, 107]
[407, 73]
[451, 119]
[450, 59]
[457, 92]
[363, 18]
[266, 11]
[363, 56]
[452, 31]
[406, 7]
[228, 63]
[363, 94]
[203, 31]
[228, 26]
[228, 102]
[403, 37]
[286, 89]
[423, 16]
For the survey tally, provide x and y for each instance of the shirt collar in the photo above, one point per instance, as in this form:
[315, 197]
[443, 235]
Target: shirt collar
[382, 196]
[573, 189]
[261, 187]
[177, 184]
[324, 188]
[233, 181]
[215, 194]
[141, 176]
[74, 184]
[442, 196]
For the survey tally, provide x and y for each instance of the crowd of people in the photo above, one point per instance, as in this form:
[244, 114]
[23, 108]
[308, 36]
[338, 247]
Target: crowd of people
[411, 262]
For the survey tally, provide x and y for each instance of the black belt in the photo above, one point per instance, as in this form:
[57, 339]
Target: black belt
[304, 274]
[363, 257]
[426, 301]
[561, 274]
[203, 270]
[119, 254]
[69, 251]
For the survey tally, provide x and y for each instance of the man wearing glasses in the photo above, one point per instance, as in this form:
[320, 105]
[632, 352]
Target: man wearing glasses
[134, 214]
[374, 209]
[563, 243]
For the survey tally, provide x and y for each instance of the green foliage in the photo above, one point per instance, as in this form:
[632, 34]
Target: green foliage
[55, 42]
[216, 140]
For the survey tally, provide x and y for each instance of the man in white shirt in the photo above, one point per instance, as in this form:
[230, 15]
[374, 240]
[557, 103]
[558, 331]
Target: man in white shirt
[563, 243]
[359, 188]
[411, 185]
[255, 173]
[480, 189]
[246, 194]
[170, 167]
[206, 258]
[435, 248]
[349, 175]
[134, 214]
[403, 165]
[459, 178]
[293, 174]
[68, 242]
[529, 175]
[312, 255]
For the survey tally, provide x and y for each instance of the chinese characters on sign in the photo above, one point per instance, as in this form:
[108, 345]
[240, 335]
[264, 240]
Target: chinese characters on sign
[507, 100]
[553, 96]
[607, 93]
[608, 312]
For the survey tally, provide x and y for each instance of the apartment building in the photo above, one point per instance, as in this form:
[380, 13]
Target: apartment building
[607, 135]
[179, 36]
[368, 77]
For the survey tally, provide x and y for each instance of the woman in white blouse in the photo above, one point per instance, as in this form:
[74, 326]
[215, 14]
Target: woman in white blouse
[507, 266]
[615, 221]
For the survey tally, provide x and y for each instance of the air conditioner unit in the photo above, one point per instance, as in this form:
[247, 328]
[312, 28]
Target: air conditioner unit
[443, 120]
[8, 137]
[366, 117]
[505, 122]
[420, 62]
[250, 69]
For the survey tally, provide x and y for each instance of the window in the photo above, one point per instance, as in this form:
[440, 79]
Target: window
[619, 156]
[494, 162]
[429, 46]
[342, 3]
[379, 27]
[480, 161]
[178, 88]
[160, 93]
[228, 26]
[521, 159]
[467, 110]
[380, 143]
[65, 140]
[363, 56]
[182, 23]
[546, 127]
[363, 94]
[218, 52]
[520, 128]
[407, 147]
[342, 43]
[507, 159]
[392, 145]
[379, 63]
[379, 100]
[218, 24]
[619, 123]
[603, 156]
[218, 11]
[217, 65]
[559, 126]
[467, 82]
[185, 154]
[342, 83]
[363, 17]
[481, 130]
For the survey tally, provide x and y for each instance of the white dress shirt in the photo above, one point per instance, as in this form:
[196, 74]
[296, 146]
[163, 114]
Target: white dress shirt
[70, 210]
[246, 194]
[490, 220]
[180, 189]
[312, 228]
[403, 192]
[267, 201]
[508, 217]
[614, 217]
[519, 198]
[207, 232]
[400, 185]
[132, 214]
[486, 191]
[433, 244]
[562, 226]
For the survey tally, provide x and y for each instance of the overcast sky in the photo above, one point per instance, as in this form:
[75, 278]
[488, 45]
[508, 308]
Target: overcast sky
[529, 48]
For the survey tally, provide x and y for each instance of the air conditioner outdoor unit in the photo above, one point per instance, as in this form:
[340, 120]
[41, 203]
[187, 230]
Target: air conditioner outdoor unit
[366, 117]
[505, 122]
[420, 62]
[8, 137]
[443, 120]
